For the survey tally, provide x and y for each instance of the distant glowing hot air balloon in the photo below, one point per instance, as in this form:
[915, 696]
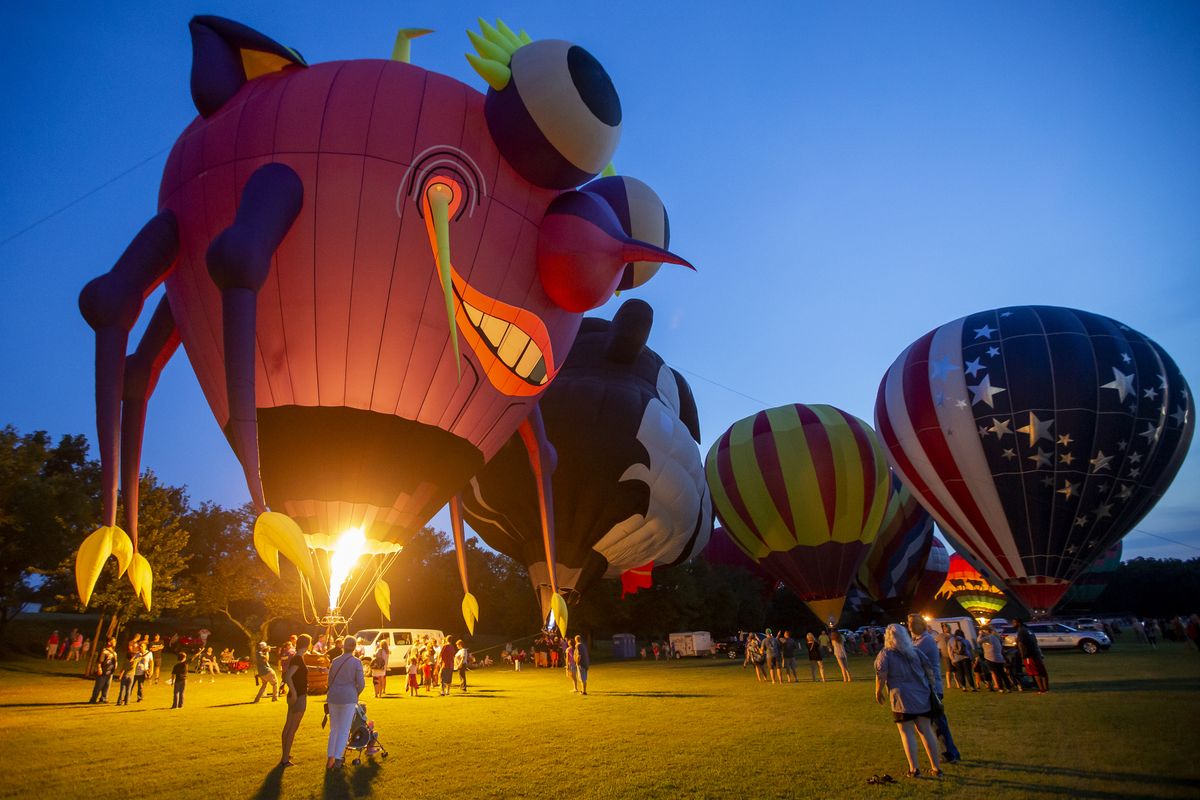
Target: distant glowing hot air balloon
[980, 597]
[802, 489]
[1036, 437]
[896, 561]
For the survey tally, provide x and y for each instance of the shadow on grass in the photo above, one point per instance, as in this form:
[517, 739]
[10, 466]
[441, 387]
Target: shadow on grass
[46, 705]
[1095, 774]
[233, 705]
[41, 669]
[985, 786]
[272, 785]
[650, 694]
[1127, 685]
[354, 781]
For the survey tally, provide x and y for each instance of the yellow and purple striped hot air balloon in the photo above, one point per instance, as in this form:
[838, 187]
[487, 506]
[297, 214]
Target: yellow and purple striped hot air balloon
[802, 489]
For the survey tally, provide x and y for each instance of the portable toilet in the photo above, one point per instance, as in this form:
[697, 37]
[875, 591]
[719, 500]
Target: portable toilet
[624, 645]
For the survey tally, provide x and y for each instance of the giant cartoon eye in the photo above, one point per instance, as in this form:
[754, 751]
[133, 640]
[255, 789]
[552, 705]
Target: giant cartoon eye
[552, 110]
[642, 217]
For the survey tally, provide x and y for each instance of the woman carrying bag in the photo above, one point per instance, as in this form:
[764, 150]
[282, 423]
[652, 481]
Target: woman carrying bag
[908, 678]
[345, 685]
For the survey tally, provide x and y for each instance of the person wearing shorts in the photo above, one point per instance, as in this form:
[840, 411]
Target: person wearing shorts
[1031, 654]
[904, 676]
[266, 675]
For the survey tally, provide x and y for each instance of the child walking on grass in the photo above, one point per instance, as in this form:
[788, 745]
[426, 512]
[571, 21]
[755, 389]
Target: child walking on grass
[413, 683]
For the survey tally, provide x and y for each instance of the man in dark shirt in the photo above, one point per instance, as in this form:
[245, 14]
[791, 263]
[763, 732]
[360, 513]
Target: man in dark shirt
[1031, 654]
[582, 661]
[446, 662]
[179, 679]
[105, 667]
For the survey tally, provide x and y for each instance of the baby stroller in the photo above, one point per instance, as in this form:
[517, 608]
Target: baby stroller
[364, 739]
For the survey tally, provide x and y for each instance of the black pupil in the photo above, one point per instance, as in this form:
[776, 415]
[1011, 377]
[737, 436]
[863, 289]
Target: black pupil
[594, 86]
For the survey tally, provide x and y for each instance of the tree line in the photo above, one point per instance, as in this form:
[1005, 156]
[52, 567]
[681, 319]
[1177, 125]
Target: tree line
[205, 566]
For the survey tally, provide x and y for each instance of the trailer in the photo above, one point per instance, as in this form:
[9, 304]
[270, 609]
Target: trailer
[693, 643]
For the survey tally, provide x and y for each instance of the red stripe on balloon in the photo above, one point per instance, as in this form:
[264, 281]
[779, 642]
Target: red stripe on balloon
[866, 455]
[729, 482]
[918, 399]
[822, 457]
[766, 452]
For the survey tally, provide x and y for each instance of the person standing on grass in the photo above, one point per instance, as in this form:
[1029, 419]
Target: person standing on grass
[754, 652]
[126, 679]
[816, 663]
[446, 664]
[908, 678]
[462, 658]
[774, 656]
[156, 648]
[1152, 633]
[379, 665]
[296, 679]
[925, 643]
[414, 683]
[569, 660]
[839, 653]
[345, 685]
[943, 643]
[76, 645]
[1031, 654]
[788, 647]
[582, 662]
[960, 660]
[179, 680]
[266, 675]
[143, 664]
[52, 646]
[993, 656]
[106, 665]
[825, 642]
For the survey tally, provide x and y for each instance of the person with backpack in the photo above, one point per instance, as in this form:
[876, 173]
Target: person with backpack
[379, 667]
[960, 652]
[106, 665]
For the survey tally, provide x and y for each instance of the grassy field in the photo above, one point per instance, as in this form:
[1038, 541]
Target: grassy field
[1115, 725]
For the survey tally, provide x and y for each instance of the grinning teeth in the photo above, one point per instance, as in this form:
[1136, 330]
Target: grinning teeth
[512, 346]
[473, 314]
[528, 361]
[494, 329]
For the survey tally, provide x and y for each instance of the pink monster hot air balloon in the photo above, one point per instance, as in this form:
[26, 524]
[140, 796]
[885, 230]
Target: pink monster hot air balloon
[375, 271]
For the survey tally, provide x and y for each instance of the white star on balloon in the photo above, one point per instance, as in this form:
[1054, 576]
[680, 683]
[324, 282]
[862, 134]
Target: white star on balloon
[1103, 511]
[993, 352]
[1009, 454]
[1135, 458]
[1037, 429]
[1068, 490]
[960, 403]
[1150, 394]
[1125, 357]
[984, 392]
[1101, 461]
[1065, 440]
[1121, 382]
[941, 368]
[1080, 521]
[985, 332]
[1180, 416]
[972, 368]
[1042, 459]
[1125, 493]
[1151, 433]
[1066, 458]
[999, 427]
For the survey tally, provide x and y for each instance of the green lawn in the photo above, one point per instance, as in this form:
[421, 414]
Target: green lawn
[1115, 725]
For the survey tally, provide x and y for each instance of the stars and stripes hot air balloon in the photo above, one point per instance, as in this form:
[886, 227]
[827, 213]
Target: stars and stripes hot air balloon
[802, 489]
[1036, 436]
[896, 561]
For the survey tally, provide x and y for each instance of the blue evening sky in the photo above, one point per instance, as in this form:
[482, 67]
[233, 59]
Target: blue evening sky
[845, 177]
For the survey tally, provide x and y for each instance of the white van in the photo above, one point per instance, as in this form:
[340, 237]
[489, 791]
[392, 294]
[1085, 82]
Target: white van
[964, 624]
[400, 641]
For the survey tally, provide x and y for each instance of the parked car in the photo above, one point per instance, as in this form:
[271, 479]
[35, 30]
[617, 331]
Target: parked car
[731, 648]
[1088, 624]
[399, 641]
[1057, 636]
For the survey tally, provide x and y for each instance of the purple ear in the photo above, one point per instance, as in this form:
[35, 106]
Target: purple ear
[227, 54]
